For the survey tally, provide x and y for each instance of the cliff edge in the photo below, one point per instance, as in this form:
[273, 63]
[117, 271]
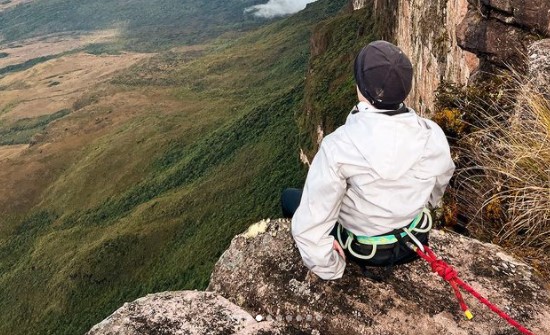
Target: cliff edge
[183, 313]
[262, 273]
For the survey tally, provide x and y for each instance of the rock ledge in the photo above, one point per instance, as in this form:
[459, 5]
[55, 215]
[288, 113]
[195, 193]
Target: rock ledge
[265, 275]
[182, 313]
[263, 278]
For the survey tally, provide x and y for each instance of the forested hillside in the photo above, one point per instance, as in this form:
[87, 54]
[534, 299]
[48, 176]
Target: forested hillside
[140, 186]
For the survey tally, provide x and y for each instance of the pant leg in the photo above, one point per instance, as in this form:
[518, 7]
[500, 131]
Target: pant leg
[290, 200]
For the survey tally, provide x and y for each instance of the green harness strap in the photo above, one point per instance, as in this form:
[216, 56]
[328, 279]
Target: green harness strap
[375, 241]
[389, 239]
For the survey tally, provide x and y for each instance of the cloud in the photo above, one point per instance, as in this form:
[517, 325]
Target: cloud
[278, 8]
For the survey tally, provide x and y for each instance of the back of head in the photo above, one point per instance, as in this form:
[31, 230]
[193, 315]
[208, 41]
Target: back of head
[383, 74]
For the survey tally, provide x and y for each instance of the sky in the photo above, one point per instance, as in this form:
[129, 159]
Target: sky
[278, 8]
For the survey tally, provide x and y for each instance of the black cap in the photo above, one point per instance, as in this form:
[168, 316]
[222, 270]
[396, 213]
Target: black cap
[383, 74]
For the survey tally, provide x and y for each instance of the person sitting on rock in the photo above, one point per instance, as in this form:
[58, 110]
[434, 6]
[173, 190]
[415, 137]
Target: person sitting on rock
[371, 177]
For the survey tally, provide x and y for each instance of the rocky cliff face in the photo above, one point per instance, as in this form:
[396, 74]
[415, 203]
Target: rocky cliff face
[426, 31]
[448, 40]
[500, 31]
[263, 274]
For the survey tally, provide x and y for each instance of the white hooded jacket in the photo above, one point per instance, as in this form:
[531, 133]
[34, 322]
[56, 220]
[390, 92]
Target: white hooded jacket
[373, 175]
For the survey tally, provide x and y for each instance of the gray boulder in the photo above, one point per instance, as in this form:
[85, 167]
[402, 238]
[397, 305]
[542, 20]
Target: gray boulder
[182, 313]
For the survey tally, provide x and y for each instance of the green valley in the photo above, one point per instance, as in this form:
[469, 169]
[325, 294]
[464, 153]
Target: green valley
[140, 186]
[144, 24]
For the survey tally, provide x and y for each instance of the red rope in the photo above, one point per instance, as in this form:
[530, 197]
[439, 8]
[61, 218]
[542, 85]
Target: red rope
[447, 272]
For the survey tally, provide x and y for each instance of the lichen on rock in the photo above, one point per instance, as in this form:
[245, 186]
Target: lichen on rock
[185, 313]
[539, 66]
[256, 229]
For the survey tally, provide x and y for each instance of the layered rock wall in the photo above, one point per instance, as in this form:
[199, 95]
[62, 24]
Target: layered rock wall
[426, 31]
[448, 40]
[500, 31]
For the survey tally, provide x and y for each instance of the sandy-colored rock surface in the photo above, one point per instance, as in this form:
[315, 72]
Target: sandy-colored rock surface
[426, 31]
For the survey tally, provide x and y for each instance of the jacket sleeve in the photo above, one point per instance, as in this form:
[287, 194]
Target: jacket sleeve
[317, 215]
[442, 181]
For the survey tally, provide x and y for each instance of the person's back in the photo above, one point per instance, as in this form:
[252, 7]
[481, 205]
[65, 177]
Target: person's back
[376, 173]
[391, 165]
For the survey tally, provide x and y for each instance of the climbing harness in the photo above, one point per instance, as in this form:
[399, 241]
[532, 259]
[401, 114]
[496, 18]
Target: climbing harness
[385, 250]
[445, 271]
[386, 241]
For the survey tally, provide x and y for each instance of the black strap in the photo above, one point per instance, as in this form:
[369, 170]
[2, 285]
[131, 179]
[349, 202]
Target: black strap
[400, 240]
[401, 110]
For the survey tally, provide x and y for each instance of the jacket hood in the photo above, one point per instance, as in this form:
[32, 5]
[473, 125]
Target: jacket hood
[383, 140]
